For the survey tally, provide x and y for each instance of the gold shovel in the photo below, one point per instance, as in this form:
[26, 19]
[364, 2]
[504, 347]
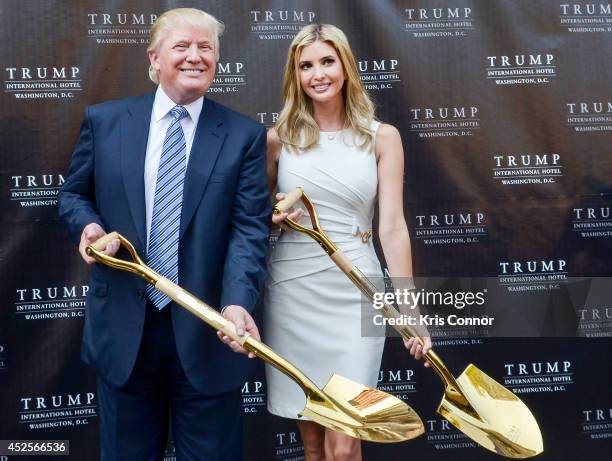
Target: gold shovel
[474, 403]
[342, 405]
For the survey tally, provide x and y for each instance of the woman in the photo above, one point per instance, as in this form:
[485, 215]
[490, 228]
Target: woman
[327, 141]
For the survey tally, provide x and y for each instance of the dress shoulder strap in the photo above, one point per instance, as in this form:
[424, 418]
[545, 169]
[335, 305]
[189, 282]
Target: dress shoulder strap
[374, 127]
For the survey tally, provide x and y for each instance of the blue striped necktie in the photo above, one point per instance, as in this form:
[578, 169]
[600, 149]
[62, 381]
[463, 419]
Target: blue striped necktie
[162, 255]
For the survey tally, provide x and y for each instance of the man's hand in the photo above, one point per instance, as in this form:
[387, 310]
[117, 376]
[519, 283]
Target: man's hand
[416, 349]
[91, 233]
[244, 323]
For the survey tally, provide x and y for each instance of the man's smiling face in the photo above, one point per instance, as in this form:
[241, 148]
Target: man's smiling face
[186, 63]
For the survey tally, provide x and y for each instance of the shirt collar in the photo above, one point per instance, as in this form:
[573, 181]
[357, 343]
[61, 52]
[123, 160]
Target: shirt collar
[163, 105]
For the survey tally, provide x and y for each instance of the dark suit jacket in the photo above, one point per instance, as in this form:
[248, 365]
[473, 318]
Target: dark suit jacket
[223, 234]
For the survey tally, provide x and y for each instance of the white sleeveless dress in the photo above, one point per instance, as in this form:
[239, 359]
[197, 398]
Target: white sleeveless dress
[312, 310]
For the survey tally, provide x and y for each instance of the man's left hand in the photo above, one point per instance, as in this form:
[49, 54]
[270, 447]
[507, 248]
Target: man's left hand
[244, 323]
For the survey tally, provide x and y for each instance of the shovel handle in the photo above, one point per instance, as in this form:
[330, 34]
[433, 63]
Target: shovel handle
[199, 309]
[368, 288]
[103, 241]
[289, 200]
[169, 288]
[315, 232]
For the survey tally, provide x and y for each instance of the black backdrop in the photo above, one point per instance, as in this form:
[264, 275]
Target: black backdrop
[505, 112]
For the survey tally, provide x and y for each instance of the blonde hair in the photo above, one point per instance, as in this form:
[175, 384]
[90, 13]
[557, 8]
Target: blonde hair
[172, 19]
[296, 126]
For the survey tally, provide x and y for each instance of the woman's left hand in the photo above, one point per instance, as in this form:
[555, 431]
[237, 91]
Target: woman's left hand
[418, 350]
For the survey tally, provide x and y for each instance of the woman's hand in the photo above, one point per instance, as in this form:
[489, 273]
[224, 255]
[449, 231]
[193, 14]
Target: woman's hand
[418, 350]
[291, 213]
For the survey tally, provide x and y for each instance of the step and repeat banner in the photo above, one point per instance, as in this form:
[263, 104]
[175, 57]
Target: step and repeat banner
[505, 112]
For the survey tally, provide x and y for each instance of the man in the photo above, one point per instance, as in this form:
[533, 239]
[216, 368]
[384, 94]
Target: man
[183, 178]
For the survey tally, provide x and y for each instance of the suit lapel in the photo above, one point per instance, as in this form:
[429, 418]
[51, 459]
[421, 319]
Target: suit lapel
[207, 143]
[134, 138]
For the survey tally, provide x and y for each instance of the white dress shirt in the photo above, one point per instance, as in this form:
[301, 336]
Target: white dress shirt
[160, 121]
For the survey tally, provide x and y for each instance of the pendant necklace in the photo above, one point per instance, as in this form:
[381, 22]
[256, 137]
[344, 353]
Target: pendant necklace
[332, 135]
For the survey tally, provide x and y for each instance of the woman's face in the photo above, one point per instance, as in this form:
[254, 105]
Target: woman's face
[321, 72]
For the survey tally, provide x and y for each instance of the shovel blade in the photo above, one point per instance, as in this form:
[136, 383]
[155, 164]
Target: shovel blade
[498, 420]
[364, 413]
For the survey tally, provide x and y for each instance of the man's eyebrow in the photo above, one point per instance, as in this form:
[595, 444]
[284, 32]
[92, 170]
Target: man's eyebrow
[186, 39]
